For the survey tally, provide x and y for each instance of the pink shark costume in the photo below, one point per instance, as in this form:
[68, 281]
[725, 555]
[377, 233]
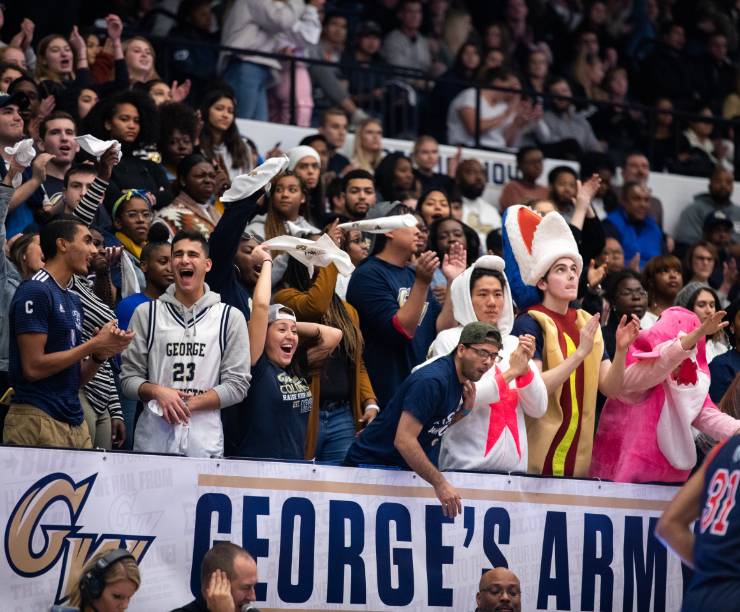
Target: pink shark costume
[493, 437]
[645, 434]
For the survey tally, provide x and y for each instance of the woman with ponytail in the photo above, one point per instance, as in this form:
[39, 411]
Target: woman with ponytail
[343, 398]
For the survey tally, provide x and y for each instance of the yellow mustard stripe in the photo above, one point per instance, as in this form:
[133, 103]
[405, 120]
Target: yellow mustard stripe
[558, 459]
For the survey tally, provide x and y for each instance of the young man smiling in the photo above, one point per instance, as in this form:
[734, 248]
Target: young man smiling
[190, 359]
[569, 350]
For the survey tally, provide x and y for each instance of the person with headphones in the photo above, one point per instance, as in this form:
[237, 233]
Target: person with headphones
[108, 582]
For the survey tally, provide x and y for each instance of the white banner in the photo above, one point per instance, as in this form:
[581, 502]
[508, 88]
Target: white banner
[329, 538]
[675, 191]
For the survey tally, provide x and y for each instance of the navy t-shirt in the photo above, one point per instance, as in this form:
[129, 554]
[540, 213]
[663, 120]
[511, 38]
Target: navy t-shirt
[432, 394]
[42, 306]
[723, 370]
[525, 324]
[273, 420]
[377, 290]
[126, 307]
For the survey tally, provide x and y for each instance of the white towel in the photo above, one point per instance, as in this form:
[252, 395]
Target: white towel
[96, 147]
[245, 185]
[381, 225]
[312, 253]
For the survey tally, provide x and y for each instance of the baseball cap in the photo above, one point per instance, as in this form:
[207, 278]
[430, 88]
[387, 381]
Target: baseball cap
[369, 28]
[480, 332]
[715, 219]
[278, 312]
[18, 98]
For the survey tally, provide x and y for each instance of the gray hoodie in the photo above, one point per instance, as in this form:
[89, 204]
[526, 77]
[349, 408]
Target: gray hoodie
[233, 379]
[9, 280]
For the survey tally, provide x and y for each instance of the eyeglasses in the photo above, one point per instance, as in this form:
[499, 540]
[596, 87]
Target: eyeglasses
[127, 194]
[632, 292]
[138, 214]
[486, 355]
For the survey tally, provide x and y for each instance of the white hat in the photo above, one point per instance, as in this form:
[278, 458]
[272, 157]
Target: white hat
[278, 312]
[296, 154]
[538, 242]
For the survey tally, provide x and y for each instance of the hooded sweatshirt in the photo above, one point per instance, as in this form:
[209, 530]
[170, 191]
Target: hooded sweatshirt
[192, 350]
[493, 436]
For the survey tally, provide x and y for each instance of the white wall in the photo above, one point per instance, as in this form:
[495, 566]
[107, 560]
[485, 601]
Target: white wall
[675, 191]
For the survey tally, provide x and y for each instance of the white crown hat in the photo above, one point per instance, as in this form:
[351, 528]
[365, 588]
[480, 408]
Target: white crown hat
[538, 242]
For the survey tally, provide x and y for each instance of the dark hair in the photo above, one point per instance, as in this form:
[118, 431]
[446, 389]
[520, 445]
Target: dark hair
[151, 246]
[629, 186]
[332, 110]
[380, 239]
[18, 249]
[692, 300]
[187, 7]
[333, 15]
[190, 234]
[105, 110]
[232, 139]
[58, 114]
[614, 280]
[472, 241]
[64, 228]
[384, 175]
[495, 242]
[220, 557]
[458, 68]
[656, 265]
[595, 161]
[175, 116]
[690, 255]
[479, 273]
[185, 166]
[553, 175]
[307, 140]
[356, 174]
[274, 221]
[79, 169]
[522, 153]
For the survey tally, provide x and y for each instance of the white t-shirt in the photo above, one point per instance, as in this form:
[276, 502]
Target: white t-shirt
[456, 132]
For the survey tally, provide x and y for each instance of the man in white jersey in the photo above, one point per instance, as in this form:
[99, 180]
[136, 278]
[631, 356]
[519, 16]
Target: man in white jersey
[191, 359]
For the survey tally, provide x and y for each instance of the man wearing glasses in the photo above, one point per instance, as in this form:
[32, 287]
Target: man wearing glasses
[408, 430]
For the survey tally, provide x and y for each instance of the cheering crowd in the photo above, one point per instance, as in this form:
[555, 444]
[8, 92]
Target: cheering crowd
[169, 288]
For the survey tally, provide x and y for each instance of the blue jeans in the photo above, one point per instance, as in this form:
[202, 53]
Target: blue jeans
[249, 82]
[336, 434]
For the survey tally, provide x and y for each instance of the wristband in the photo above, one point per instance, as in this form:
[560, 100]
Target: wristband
[94, 357]
[373, 406]
[266, 260]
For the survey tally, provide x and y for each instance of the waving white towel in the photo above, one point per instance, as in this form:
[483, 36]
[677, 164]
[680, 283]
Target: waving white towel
[245, 185]
[312, 253]
[381, 225]
[96, 147]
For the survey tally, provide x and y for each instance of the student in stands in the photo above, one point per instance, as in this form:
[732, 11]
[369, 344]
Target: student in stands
[333, 125]
[48, 360]
[399, 315]
[306, 162]
[499, 589]
[543, 259]
[130, 117]
[132, 218]
[228, 578]
[394, 177]
[724, 368]
[408, 429]
[359, 196]
[192, 208]
[626, 297]
[57, 133]
[188, 359]
[477, 212]
[220, 140]
[367, 150]
[662, 279]
[426, 165]
[520, 190]
[177, 135]
[703, 301]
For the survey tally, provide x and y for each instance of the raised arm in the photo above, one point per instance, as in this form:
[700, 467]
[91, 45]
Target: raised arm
[257, 324]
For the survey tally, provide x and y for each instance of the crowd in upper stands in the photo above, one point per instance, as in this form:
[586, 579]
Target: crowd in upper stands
[134, 231]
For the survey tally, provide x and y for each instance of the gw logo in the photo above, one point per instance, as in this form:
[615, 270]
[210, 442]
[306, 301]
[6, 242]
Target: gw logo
[33, 547]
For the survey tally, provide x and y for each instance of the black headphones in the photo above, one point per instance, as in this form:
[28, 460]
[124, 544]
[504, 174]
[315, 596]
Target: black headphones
[92, 582]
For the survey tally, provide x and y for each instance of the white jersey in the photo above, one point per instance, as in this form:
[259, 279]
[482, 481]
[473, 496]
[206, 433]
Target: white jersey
[184, 355]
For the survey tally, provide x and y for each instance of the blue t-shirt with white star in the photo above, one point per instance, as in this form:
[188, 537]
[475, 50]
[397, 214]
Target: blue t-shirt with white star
[41, 306]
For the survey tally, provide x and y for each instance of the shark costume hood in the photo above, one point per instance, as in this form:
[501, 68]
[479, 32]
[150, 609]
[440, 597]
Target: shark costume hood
[462, 309]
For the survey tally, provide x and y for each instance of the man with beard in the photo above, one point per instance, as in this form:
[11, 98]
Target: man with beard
[636, 167]
[479, 214]
[691, 223]
[499, 589]
[407, 431]
[358, 189]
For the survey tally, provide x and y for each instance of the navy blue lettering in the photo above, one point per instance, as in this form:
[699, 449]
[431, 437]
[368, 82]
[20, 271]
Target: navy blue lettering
[642, 568]
[554, 539]
[342, 554]
[252, 507]
[208, 505]
[403, 558]
[496, 519]
[597, 526]
[287, 591]
[437, 556]
[499, 173]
